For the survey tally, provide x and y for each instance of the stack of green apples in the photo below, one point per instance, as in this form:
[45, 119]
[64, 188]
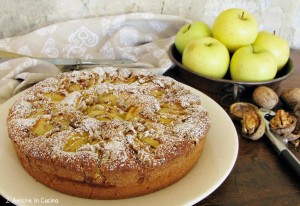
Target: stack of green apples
[233, 43]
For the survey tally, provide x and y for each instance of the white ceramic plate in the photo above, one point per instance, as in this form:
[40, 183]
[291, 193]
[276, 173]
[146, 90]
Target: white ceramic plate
[215, 164]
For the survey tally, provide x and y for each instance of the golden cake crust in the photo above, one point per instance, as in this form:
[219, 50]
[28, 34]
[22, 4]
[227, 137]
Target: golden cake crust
[108, 133]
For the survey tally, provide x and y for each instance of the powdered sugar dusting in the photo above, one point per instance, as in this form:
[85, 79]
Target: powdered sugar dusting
[109, 117]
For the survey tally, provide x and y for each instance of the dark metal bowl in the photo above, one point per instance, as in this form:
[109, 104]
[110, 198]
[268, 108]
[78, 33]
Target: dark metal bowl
[226, 85]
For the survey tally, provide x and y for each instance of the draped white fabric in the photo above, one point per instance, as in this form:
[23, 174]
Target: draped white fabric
[143, 38]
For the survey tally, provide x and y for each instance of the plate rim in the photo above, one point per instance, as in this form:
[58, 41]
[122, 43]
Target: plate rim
[4, 109]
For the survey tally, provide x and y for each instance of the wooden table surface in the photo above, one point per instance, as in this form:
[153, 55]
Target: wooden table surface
[259, 177]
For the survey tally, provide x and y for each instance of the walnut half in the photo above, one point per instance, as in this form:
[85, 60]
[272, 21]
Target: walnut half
[238, 109]
[253, 126]
[283, 123]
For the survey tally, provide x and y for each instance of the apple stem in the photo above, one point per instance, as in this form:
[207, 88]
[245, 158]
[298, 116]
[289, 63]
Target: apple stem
[242, 17]
[188, 28]
[253, 48]
[274, 32]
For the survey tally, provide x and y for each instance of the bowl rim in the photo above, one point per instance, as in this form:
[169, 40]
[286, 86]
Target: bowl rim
[228, 81]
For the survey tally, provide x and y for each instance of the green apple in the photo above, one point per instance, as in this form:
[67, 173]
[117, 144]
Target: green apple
[235, 28]
[206, 56]
[252, 64]
[278, 46]
[189, 32]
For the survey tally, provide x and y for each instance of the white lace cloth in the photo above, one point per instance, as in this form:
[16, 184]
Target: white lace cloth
[143, 38]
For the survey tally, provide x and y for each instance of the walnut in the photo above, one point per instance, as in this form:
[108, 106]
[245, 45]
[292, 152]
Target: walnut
[265, 97]
[297, 111]
[297, 115]
[249, 122]
[283, 123]
[238, 109]
[286, 125]
[295, 135]
[292, 136]
[291, 97]
[253, 126]
[296, 142]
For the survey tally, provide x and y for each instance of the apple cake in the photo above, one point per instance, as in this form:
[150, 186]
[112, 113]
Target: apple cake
[108, 133]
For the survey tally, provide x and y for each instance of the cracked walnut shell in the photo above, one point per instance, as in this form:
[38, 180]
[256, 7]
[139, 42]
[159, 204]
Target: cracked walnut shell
[283, 123]
[238, 109]
[253, 126]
